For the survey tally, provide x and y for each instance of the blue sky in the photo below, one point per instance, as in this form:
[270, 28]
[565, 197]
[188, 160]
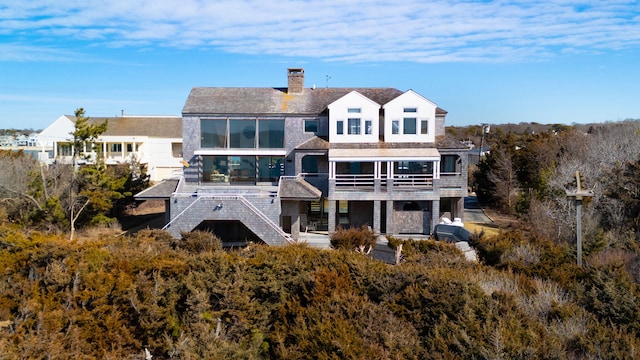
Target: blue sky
[555, 61]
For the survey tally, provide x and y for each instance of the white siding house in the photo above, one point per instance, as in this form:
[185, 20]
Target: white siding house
[152, 140]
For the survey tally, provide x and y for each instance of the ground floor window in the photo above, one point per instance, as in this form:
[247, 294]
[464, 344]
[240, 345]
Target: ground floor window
[242, 169]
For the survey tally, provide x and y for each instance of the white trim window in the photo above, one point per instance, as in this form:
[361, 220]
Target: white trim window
[395, 127]
[424, 126]
[409, 126]
[353, 126]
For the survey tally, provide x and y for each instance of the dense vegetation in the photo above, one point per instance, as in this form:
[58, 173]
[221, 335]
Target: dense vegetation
[111, 297]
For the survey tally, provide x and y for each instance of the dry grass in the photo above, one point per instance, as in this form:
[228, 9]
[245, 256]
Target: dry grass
[489, 229]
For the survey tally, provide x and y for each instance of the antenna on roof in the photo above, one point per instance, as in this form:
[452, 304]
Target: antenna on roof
[327, 78]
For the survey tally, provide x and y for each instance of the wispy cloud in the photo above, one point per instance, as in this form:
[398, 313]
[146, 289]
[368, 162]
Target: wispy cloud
[332, 30]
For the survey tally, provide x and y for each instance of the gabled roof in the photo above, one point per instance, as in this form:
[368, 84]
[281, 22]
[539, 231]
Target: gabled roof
[154, 126]
[273, 101]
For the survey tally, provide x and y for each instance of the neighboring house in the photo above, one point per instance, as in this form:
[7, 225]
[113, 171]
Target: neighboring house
[6, 140]
[267, 163]
[21, 140]
[152, 140]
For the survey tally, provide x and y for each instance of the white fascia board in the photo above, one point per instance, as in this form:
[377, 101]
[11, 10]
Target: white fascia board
[240, 152]
[374, 159]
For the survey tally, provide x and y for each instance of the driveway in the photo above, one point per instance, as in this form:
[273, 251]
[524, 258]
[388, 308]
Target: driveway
[473, 213]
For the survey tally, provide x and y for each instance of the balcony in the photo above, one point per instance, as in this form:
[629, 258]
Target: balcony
[367, 182]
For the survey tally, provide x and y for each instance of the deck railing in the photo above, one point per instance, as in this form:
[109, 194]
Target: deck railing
[367, 181]
[413, 180]
[354, 180]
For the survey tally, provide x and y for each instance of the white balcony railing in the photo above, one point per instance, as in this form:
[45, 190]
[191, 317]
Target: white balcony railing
[413, 180]
[354, 180]
[345, 181]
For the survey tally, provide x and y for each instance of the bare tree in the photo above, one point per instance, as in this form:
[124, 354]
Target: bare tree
[18, 169]
[503, 176]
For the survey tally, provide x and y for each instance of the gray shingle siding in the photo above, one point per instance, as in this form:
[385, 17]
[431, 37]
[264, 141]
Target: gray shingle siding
[309, 104]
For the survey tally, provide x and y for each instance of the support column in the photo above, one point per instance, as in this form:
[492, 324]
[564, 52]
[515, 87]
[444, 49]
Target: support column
[458, 204]
[376, 216]
[435, 213]
[331, 217]
[391, 229]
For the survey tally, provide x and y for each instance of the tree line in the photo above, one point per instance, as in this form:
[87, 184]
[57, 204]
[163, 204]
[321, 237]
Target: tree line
[528, 174]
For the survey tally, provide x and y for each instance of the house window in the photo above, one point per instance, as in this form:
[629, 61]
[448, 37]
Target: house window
[242, 133]
[271, 134]
[129, 147]
[395, 127]
[410, 110]
[340, 127]
[353, 110]
[176, 150]
[354, 126]
[64, 149]
[270, 168]
[116, 148]
[311, 126]
[242, 169]
[409, 125]
[424, 126]
[213, 133]
[450, 164]
[368, 128]
[310, 164]
[413, 167]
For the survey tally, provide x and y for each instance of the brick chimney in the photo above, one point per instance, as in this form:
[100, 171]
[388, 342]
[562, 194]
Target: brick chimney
[296, 81]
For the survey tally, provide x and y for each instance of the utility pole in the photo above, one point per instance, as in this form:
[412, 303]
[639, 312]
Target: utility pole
[485, 130]
[578, 196]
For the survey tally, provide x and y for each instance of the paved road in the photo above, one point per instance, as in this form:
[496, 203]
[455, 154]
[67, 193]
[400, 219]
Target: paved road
[473, 212]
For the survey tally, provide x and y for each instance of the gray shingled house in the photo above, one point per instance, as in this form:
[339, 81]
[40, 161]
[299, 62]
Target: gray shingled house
[267, 163]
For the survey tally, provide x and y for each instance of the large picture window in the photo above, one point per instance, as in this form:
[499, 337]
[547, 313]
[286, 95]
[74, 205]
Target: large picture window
[213, 133]
[271, 134]
[242, 169]
[242, 133]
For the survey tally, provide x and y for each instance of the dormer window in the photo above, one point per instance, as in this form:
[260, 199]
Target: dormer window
[354, 110]
[410, 110]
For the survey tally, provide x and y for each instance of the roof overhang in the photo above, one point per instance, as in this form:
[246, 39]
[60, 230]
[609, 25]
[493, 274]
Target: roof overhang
[162, 190]
[424, 154]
